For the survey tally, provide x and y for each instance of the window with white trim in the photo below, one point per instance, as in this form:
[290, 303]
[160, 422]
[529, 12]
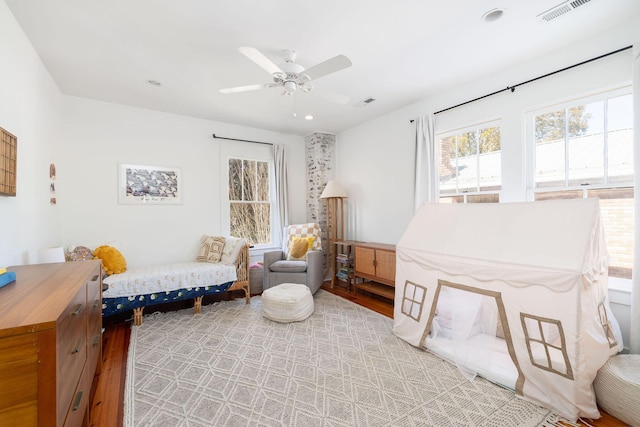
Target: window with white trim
[470, 164]
[249, 200]
[584, 148]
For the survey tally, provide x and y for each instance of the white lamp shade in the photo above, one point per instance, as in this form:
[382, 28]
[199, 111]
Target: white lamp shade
[333, 189]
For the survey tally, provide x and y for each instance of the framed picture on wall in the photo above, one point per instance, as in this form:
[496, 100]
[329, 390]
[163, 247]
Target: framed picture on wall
[160, 185]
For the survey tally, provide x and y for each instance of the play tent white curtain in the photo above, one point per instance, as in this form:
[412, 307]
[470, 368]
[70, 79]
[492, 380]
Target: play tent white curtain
[635, 290]
[467, 323]
[427, 162]
[281, 214]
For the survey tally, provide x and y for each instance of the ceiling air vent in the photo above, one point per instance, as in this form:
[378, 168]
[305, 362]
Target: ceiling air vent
[561, 9]
[364, 102]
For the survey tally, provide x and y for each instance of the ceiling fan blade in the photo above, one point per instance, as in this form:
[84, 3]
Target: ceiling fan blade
[256, 56]
[329, 66]
[246, 88]
[329, 95]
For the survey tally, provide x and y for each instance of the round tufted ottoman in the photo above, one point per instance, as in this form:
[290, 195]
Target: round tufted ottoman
[617, 387]
[288, 302]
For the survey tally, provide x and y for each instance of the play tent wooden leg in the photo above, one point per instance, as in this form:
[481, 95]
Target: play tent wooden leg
[197, 304]
[137, 316]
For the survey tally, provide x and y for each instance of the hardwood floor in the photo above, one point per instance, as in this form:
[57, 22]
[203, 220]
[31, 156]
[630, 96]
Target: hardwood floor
[107, 407]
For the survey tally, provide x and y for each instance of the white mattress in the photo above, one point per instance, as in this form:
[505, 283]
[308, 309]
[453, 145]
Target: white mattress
[168, 277]
[489, 357]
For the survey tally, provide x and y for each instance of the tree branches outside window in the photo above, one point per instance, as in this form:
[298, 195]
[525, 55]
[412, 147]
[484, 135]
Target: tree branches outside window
[250, 207]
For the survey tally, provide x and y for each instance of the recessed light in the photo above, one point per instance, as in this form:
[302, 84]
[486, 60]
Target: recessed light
[308, 117]
[154, 82]
[493, 15]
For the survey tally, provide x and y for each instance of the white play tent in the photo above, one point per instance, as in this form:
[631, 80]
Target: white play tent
[515, 292]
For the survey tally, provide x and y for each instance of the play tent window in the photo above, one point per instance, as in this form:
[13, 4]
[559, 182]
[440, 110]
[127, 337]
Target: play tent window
[546, 344]
[606, 325]
[412, 300]
[8, 163]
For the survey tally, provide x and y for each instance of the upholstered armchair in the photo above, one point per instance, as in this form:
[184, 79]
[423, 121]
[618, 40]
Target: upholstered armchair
[282, 266]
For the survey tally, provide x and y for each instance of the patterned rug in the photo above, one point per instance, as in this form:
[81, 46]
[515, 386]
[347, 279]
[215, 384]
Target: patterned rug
[342, 366]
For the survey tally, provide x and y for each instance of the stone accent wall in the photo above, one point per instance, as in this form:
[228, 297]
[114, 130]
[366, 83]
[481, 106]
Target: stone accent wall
[320, 158]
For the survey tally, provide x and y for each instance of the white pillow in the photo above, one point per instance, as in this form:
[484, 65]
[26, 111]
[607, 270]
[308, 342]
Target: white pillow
[231, 249]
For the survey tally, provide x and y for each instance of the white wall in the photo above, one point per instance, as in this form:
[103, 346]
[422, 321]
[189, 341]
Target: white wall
[98, 136]
[29, 109]
[376, 159]
[86, 140]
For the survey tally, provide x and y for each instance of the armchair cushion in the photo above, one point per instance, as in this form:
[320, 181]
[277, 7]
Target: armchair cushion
[289, 266]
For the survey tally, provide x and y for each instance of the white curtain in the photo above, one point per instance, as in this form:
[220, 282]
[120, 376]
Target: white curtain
[635, 289]
[427, 162]
[281, 214]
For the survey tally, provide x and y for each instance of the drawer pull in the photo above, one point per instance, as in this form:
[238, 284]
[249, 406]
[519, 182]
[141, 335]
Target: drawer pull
[94, 278]
[78, 309]
[96, 302]
[76, 401]
[77, 347]
[96, 340]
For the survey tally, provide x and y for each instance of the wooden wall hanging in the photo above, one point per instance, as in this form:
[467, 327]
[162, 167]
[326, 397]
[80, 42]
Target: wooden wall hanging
[8, 163]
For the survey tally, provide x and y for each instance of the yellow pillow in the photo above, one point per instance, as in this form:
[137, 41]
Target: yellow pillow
[299, 247]
[112, 260]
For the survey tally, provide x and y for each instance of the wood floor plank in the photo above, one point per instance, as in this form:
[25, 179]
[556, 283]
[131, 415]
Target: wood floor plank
[107, 407]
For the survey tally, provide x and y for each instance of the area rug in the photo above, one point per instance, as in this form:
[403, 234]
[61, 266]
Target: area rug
[342, 366]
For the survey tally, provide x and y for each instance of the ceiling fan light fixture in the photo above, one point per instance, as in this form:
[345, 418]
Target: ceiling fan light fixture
[290, 86]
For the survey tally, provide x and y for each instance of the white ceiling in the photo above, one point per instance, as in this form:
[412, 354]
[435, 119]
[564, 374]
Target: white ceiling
[402, 51]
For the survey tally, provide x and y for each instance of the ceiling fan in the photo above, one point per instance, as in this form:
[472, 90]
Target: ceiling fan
[292, 76]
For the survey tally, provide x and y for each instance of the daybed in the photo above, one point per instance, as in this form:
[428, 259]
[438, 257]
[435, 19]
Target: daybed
[139, 287]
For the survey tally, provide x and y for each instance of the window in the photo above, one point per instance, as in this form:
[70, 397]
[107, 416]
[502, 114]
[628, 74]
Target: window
[588, 143]
[470, 162]
[585, 149]
[249, 200]
[546, 344]
[413, 300]
[606, 325]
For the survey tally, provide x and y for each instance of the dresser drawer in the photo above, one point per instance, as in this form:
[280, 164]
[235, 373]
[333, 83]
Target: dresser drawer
[94, 335]
[80, 401]
[71, 350]
[94, 283]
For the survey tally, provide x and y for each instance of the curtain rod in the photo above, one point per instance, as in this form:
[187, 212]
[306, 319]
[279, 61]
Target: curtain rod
[243, 140]
[513, 88]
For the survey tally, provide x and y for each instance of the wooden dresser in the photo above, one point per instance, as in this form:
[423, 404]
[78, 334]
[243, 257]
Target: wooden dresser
[50, 343]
